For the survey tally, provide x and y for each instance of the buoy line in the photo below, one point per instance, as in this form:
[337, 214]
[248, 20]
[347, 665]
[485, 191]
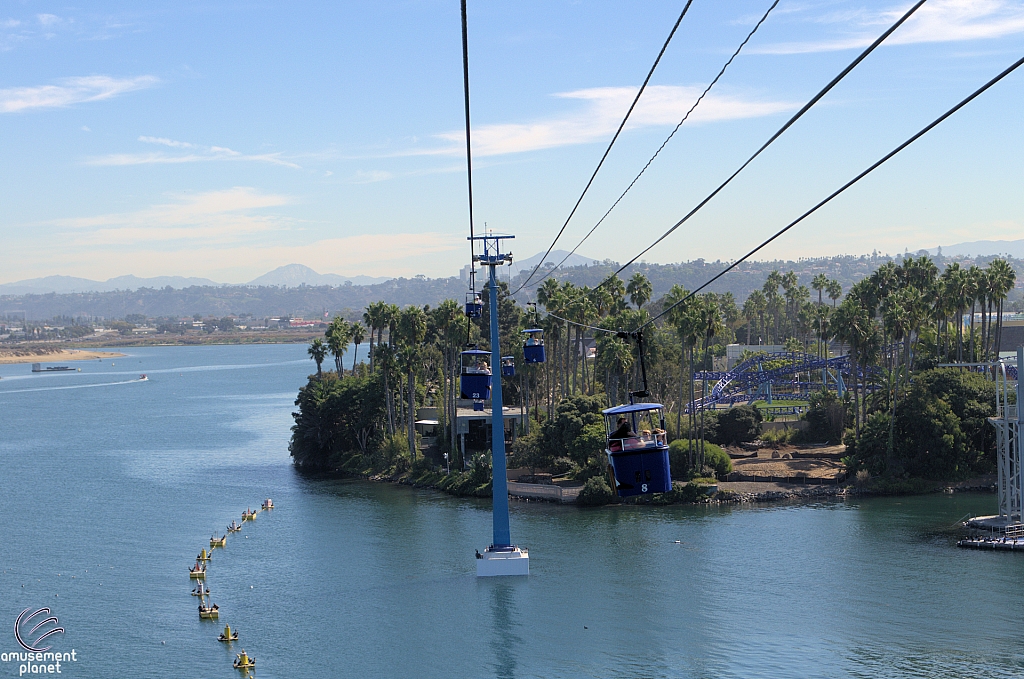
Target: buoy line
[198, 572]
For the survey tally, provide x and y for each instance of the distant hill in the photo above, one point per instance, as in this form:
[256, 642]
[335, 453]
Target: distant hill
[291, 276]
[555, 257]
[294, 275]
[982, 248]
[64, 284]
[310, 301]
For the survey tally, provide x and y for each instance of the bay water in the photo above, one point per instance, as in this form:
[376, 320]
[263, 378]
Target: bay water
[110, 486]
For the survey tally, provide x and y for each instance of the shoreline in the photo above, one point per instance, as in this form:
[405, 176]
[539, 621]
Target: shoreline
[26, 356]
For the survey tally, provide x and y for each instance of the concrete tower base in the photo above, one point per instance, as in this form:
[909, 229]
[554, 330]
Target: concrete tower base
[503, 561]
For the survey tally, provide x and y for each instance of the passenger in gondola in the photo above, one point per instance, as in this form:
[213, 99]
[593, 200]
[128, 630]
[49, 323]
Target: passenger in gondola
[624, 431]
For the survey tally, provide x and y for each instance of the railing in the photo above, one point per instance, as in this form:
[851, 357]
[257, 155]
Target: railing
[1014, 530]
[645, 440]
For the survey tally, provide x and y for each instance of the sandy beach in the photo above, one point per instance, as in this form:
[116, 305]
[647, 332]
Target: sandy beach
[39, 355]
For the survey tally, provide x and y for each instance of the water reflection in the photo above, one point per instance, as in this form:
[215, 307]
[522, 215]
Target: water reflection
[505, 642]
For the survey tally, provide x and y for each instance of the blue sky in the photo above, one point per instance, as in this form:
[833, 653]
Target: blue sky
[223, 139]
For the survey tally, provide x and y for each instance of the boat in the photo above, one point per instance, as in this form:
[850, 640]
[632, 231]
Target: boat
[218, 541]
[38, 368]
[243, 661]
[198, 590]
[208, 612]
[143, 378]
[204, 555]
[228, 635]
[267, 504]
[197, 572]
[248, 515]
[234, 527]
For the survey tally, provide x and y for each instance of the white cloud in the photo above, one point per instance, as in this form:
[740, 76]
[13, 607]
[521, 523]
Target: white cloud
[85, 128]
[232, 234]
[936, 21]
[167, 142]
[10, 23]
[198, 154]
[661, 105]
[70, 91]
[203, 219]
[48, 19]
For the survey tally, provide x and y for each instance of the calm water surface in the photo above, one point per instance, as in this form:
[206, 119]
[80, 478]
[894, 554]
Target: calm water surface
[109, 487]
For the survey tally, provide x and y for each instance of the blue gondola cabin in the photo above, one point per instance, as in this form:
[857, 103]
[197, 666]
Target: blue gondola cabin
[508, 366]
[637, 449]
[474, 305]
[533, 350]
[475, 380]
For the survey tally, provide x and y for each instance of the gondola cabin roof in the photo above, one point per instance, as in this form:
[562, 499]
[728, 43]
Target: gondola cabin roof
[534, 330]
[476, 352]
[632, 408]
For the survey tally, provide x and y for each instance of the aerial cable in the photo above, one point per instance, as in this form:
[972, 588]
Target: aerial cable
[845, 186]
[663, 144]
[469, 151]
[775, 136]
[610, 144]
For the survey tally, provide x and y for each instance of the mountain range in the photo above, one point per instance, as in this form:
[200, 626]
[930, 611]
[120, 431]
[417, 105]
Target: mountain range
[289, 276]
[1013, 248]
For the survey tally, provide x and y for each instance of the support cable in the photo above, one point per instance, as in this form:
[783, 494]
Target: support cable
[469, 151]
[660, 148]
[610, 144]
[845, 186]
[775, 136]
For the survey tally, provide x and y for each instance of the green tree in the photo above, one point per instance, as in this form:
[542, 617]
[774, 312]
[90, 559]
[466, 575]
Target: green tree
[318, 352]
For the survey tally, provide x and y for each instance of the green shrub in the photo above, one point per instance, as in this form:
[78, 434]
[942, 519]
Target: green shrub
[679, 459]
[595, 493]
[739, 425]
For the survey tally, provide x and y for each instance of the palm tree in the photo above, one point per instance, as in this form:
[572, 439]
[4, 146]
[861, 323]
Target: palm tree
[357, 334]
[710, 320]
[412, 327]
[338, 334]
[1001, 277]
[372, 319]
[639, 290]
[758, 306]
[318, 352]
[835, 291]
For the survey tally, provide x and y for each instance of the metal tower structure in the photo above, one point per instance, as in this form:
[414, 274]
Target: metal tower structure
[1007, 422]
[501, 557]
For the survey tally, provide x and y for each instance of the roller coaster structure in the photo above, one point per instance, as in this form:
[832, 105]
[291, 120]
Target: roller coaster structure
[749, 381]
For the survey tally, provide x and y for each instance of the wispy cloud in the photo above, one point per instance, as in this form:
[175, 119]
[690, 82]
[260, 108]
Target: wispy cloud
[661, 105]
[196, 154]
[936, 21]
[70, 91]
[230, 234]
[205, 218]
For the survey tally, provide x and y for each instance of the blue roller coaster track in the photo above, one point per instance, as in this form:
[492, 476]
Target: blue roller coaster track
[750, 381]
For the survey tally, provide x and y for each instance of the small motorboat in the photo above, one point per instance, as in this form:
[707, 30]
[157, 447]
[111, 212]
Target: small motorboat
[198, 590]
[267, 504]
[218, 541]
[248, 515]
[204, 555]
[208, 612]
[234, 527]
[243, 661]
[227, 634]
[197, 572]
[143, 378]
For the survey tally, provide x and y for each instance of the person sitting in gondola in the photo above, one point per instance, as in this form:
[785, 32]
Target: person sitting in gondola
[481, 368]
[624, 431]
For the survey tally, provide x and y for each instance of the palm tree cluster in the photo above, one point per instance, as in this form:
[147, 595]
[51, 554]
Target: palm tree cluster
[902, 316]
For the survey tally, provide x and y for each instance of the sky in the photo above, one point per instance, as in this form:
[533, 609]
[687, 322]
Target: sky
[224, 139]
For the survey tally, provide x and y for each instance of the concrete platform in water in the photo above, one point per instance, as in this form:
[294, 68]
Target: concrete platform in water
[1008, 544]
[503, 561]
